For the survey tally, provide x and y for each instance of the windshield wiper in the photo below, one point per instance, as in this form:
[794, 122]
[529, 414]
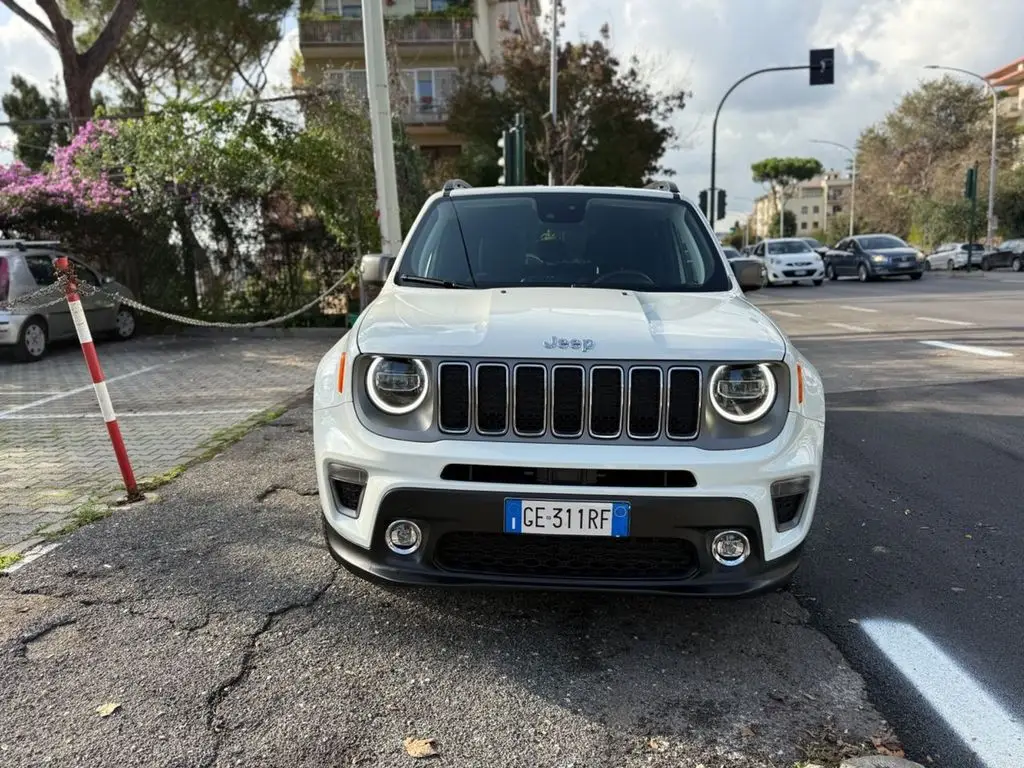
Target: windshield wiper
[419, 280]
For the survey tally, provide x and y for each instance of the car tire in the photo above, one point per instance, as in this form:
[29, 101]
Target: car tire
[950, 265]
[862, 273]
[818, 282]
[125, 324]
[830, 272]
[985, 266]
[927, 266]
[33, 341]
[916, 276]
[1017, 264]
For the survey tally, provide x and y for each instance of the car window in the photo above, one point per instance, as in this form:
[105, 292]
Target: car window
[882, 241]
[84, 273]
[789, 246]
[732, 253]
[568, 239]
[5, 278]
[41, 267]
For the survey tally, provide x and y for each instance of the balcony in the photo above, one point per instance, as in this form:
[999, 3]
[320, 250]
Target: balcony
[409, 33]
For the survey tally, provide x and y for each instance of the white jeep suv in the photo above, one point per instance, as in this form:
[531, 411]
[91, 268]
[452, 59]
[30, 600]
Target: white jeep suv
[564, 387]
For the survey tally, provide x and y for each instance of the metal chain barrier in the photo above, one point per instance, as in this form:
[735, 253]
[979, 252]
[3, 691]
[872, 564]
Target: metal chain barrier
[85, 289]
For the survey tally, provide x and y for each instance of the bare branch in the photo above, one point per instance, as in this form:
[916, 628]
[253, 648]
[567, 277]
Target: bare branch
[32, 21]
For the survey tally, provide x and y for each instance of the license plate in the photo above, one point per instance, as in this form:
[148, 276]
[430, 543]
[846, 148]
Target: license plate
[567, 517]
[802, 272]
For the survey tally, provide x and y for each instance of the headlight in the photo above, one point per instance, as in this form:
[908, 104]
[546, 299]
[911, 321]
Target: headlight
[878, 259]
[397, 385]
[742, 393]
[920, 256]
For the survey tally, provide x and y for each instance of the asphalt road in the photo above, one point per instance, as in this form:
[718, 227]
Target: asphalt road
[914, 564]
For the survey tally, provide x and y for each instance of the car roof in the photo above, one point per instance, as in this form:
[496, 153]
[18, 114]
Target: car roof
[654, 194]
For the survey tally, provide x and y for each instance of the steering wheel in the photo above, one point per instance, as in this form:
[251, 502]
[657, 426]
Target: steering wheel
[635, 273]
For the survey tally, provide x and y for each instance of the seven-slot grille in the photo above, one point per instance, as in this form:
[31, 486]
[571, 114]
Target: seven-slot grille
[606, 402]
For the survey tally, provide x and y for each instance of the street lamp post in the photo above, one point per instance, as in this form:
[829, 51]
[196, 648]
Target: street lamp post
[853, 176]
[990, 234]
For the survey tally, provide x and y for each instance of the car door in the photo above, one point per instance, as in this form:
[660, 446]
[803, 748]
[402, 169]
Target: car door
[937, 258]
[58, 315]
[837, 257]
[100, 307]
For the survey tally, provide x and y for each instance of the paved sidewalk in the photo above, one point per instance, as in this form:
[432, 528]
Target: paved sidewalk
[173, 395]
[211, 628]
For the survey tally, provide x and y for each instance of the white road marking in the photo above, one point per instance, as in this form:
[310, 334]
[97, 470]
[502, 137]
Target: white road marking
[785, 314]
[972, 713]
[845, 327]
[940, 320]
[89, 386]
[145, 414]
[858, 309]
[34, 554]
[983, 351]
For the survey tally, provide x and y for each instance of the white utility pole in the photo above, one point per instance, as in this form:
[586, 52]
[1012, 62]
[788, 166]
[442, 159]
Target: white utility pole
[379, 92]
[554, 86]
[853, 179]
[990, 236]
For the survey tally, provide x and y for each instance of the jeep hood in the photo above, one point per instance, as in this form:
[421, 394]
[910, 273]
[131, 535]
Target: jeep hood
[561, 322]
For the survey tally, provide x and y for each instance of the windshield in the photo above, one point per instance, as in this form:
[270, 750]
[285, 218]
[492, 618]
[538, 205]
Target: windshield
[881, 241]
[812, 242]
[974, 247]
[564, 239]
[789, 246]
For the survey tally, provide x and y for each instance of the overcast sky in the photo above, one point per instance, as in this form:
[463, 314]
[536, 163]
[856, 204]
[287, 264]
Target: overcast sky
[705, 45]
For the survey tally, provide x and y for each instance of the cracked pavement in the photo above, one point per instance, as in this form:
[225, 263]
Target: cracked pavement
[216, 619]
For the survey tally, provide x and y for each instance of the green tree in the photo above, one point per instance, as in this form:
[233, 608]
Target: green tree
[613, 127]
[789, 225]
[80, 68]
[1010, 202]
[921, 151]
[780, 175]
[34, 141]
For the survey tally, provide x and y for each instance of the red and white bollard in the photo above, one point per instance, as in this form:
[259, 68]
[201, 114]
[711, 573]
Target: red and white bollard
[98, 382]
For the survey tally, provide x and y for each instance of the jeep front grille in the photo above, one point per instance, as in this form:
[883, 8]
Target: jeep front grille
[603, 401]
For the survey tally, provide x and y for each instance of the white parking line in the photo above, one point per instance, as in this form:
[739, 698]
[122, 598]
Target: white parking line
[845, 327]
[70, 392]
[983, 351]
[784, 314]
[858, 309]
[146, 414]
[970, 711]
[940, 320]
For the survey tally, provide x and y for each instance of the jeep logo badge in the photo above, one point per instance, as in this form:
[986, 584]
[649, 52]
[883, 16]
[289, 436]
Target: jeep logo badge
[559, 342]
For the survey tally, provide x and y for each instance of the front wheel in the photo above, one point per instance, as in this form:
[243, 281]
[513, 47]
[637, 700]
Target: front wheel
[830, 272]
[950, 265]
[985, 266]
[927, 266]
[862, 273]
[1017, 265]
[32, 341]
[124, 324]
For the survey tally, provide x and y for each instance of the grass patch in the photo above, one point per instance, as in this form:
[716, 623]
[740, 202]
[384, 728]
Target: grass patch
[6, 561]
[89, 512]
[220, 441]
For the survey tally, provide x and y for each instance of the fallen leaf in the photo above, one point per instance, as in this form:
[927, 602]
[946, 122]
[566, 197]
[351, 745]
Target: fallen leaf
[887, 747]
[658, 744]
[747, 731]
[420, 748]
[106, 710]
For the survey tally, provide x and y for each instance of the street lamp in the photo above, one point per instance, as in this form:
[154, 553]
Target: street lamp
[853, 184]
[992, 161]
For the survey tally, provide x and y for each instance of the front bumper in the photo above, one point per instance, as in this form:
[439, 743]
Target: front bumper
[668, 547]
[787, 274]
[10, 328]
[896, 270]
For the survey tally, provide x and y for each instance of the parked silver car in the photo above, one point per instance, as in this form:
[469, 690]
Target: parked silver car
[28, 327]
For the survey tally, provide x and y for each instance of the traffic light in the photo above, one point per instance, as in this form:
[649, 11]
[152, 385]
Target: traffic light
[506, 146]
[720, 204]
[704, 202]
[971, 184]
[822, 67]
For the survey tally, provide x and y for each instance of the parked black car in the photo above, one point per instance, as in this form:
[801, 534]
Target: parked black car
[1016, 249]
[737, 260]
[1005, 255]
[870, 257]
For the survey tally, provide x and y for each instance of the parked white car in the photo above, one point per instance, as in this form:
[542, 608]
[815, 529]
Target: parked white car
[564, 387]
[791, 260]
[954, 256]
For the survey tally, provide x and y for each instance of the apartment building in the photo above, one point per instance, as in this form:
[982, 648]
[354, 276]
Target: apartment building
[434, 39]
[814, 203]
[1009, 80]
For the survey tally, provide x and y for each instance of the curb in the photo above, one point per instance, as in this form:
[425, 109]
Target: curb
[878, 761]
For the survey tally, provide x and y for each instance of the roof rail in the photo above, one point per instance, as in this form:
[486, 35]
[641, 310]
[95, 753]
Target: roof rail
[22, 245]
[455, 184]
[664, 186]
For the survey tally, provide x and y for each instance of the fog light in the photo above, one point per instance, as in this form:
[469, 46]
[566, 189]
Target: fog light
[403, 537]
[730, 547]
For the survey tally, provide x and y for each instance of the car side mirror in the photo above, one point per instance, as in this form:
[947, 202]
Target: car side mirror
[374, 269]
[749, 276]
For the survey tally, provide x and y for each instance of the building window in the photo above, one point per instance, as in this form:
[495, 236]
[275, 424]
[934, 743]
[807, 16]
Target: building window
[803, 225]
[422, 6]
[815, 209]
[837, 209]
[351, 10]
[815, 225]
[439, 5]
[330, 6]
[803, 209]
[425, 86]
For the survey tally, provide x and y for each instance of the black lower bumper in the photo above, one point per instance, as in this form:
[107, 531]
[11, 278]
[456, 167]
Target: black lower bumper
[667, 550]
